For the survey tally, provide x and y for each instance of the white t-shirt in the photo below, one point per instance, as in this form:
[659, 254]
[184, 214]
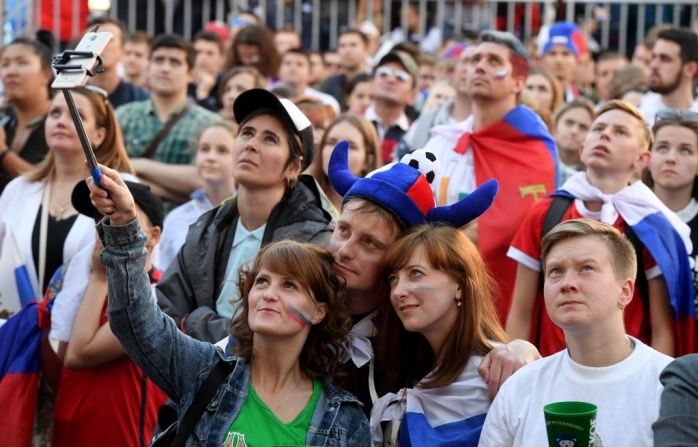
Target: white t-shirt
[457, 175]
[627, 395]
[652, 103]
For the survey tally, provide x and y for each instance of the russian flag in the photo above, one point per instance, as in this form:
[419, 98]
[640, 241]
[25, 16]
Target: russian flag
[664, 235]
[20, 341]
[16, 289]
[520, 153]
[447, 416]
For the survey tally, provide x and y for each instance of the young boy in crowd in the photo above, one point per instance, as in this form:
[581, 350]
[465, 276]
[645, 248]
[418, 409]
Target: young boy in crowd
[616, 148]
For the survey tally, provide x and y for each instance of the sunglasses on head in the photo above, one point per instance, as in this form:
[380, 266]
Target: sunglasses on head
[672, 114]
[400, 75]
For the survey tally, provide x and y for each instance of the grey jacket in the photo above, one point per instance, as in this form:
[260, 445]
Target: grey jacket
[677, 424]
[192, 283]
[178, 364]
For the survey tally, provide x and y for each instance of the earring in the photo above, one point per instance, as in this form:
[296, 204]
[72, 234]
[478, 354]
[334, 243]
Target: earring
[620, 305]
[459, 301]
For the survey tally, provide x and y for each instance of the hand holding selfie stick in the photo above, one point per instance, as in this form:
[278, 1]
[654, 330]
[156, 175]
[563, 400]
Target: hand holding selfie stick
[72, 68]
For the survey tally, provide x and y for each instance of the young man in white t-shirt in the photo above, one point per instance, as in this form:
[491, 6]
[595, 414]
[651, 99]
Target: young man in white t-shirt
[589, 269]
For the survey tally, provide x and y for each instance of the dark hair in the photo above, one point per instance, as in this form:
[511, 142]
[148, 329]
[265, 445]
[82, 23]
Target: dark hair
[313, 268]
[627, 79]
[298, 51]
[294, 140]
[409, 354]
[38, 48]
[684, 38]
[520, 59]
[358, 32]
[174, 41]
[210, 36]
[356, 80]
[138, 37]
[608, 55]
[261, 37]
[103, 20]
[259, 81]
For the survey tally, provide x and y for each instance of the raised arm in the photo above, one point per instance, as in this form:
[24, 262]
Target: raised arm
[525, 291]
[170, 358]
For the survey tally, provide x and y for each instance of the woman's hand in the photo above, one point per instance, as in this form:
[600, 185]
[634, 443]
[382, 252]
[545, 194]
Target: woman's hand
[118, 203]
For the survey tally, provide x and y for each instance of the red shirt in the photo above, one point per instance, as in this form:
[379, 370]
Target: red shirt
[113, 404]
[525, 249]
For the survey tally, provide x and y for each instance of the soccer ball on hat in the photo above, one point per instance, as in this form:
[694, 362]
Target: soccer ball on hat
[425, 162]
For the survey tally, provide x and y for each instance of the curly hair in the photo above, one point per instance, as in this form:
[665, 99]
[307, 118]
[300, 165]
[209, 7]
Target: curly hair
[311, 266]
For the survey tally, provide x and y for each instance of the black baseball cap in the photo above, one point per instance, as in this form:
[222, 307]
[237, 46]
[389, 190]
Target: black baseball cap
[144, 198]
[257, 98]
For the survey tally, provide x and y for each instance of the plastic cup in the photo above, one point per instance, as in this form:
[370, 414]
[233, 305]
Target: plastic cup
[570, 424]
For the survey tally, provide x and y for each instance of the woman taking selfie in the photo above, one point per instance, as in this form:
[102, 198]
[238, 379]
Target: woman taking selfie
[277, 388]
[440, 322]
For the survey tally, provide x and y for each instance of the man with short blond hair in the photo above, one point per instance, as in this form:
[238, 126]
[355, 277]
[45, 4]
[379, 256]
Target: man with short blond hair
[589, 270]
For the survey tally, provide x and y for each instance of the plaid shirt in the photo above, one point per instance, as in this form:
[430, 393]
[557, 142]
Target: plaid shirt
[140, 125]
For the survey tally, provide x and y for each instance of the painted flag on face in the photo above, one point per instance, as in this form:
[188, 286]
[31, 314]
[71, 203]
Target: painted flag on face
[16, 289]
[448, 416]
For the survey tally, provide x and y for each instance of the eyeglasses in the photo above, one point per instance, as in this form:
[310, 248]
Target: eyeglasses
[674, 114]
[400, 75]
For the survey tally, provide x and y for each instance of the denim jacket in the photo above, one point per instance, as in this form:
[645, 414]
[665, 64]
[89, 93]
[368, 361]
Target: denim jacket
[178, 364]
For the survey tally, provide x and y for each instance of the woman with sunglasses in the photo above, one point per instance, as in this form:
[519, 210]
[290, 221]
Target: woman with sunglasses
[673, 169]
[277, 382]
[25, 73]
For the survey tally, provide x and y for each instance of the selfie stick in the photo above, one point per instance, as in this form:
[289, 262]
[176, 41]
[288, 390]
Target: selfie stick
[61, 63]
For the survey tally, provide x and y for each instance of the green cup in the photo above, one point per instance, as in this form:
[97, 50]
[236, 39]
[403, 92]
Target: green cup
[570, 424]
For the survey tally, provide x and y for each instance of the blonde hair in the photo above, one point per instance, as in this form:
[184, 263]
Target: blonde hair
[625, 106]
[619, 247]
[111, 153]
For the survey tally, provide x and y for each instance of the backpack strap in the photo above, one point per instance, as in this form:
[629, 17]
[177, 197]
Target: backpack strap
[208, 389]
[556, 211]
[155, 142]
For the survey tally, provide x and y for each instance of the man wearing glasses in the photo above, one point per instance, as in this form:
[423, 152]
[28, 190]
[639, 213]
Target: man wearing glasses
[394, 88]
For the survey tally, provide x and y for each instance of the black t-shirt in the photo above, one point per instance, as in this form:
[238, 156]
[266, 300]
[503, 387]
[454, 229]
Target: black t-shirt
[126, 92]
[34, 149]
[55, 240]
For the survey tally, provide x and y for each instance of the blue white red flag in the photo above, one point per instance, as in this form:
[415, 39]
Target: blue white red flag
[447, 416]
[664, 235]
[16, 289]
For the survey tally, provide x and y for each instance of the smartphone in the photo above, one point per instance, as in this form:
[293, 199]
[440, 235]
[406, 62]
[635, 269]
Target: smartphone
[76, 75]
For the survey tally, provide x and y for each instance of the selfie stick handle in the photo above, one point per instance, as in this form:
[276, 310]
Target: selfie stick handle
[86, 147]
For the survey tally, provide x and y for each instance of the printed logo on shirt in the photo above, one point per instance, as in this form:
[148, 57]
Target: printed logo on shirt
[536, 190]
[235, 439]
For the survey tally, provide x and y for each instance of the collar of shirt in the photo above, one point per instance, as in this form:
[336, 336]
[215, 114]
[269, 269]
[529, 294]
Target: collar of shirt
[150, 108]
[242, 233]
[402, 122]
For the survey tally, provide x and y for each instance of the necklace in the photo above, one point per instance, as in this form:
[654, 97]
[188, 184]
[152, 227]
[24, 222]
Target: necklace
[285, 399]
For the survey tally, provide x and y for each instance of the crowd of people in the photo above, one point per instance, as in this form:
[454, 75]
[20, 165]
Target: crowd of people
[382, 244]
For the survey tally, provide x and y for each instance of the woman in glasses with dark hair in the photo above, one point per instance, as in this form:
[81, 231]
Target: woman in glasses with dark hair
[674, 166]
[25, 72]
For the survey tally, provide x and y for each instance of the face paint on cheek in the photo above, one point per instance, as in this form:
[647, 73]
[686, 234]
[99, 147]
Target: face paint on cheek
[423, 292]
[499, 75]
[298, 317]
